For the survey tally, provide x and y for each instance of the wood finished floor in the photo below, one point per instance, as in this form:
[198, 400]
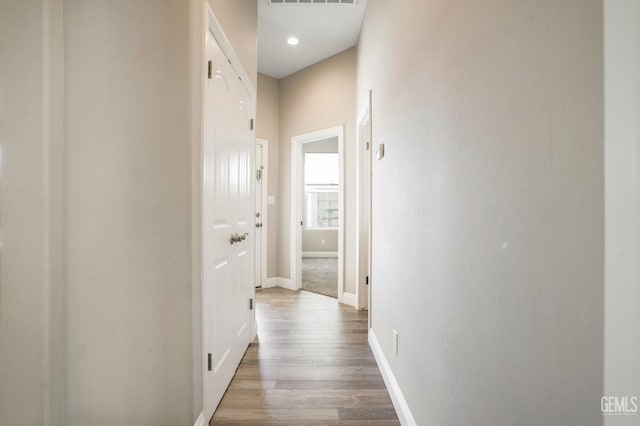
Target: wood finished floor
[310, 365]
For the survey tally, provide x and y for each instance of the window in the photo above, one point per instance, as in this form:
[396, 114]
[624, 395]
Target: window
[321, 190]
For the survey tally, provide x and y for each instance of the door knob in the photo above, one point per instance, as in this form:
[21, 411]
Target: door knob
[236, 238]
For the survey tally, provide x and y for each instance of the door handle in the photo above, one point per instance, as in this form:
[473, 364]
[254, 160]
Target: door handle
[236, 238]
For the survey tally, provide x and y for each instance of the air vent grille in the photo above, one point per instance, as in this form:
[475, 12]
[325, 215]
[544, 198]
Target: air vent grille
[285, 2]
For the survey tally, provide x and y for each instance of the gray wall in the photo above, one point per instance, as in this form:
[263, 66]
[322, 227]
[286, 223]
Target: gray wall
[622, 153]
[488, 206]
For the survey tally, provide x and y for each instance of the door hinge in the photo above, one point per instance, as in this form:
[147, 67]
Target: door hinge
[367, 146]
[251, 304]
[210, 70]
[301, 223]
[251, 124]
[209, 362]
[366, 280]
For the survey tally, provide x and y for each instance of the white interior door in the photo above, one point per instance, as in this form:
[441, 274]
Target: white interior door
[261, 213]
[227, 240]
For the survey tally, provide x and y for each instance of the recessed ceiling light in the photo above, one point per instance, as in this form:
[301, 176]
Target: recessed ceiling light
[293, 41]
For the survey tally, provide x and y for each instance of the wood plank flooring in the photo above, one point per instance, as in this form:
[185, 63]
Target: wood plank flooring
[310, 365]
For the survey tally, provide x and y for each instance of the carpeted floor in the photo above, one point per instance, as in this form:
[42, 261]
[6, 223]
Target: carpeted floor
[320, 275]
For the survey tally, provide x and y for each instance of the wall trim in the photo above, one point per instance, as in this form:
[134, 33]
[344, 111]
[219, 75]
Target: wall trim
[286, 283]
[349, 299]
[278, 282]
[399, 403]
[319, 254]
[200, 421]
[270, 282]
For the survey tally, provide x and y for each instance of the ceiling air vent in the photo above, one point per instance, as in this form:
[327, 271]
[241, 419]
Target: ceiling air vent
[352, 2]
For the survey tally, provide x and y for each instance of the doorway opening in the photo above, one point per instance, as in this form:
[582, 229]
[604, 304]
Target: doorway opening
[260, 238]
[363, 241]
[317, 212]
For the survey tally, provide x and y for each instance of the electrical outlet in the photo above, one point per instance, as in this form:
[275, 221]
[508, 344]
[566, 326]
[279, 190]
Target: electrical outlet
[395, 342]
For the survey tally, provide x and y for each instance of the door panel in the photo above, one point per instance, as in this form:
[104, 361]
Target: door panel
[226, 208]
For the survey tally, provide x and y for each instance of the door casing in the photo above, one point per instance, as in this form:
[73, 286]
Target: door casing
[296, 203]
[363, 208]
[261, 271]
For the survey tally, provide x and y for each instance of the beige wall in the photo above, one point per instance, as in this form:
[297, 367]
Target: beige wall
[126, 87]
[268, 127]
[133, 309]
[31, 138]
[316, 98]
[128, 224]
[622, 153]
[312, 240]
[488, 206]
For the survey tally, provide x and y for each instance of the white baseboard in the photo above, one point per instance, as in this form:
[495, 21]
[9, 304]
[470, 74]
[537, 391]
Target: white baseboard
[201, 421]
[319, 254]
[278, 282]
[285, 283]
[399, 403]
[270, 282]
[349, 299]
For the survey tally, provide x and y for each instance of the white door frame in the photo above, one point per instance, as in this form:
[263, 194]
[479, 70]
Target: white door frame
[211, 25]
[364, 155]
[263, 214]
[296, 203]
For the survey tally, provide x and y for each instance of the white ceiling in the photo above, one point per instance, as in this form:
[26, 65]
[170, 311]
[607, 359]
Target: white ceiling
[323, 31]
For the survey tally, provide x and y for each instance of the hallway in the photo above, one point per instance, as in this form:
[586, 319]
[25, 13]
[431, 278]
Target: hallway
[161, 160]
[311, 365]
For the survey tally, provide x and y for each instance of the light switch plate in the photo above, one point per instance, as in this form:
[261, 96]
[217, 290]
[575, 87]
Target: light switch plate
[380, 152]
[395, 342]
[271, 200]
